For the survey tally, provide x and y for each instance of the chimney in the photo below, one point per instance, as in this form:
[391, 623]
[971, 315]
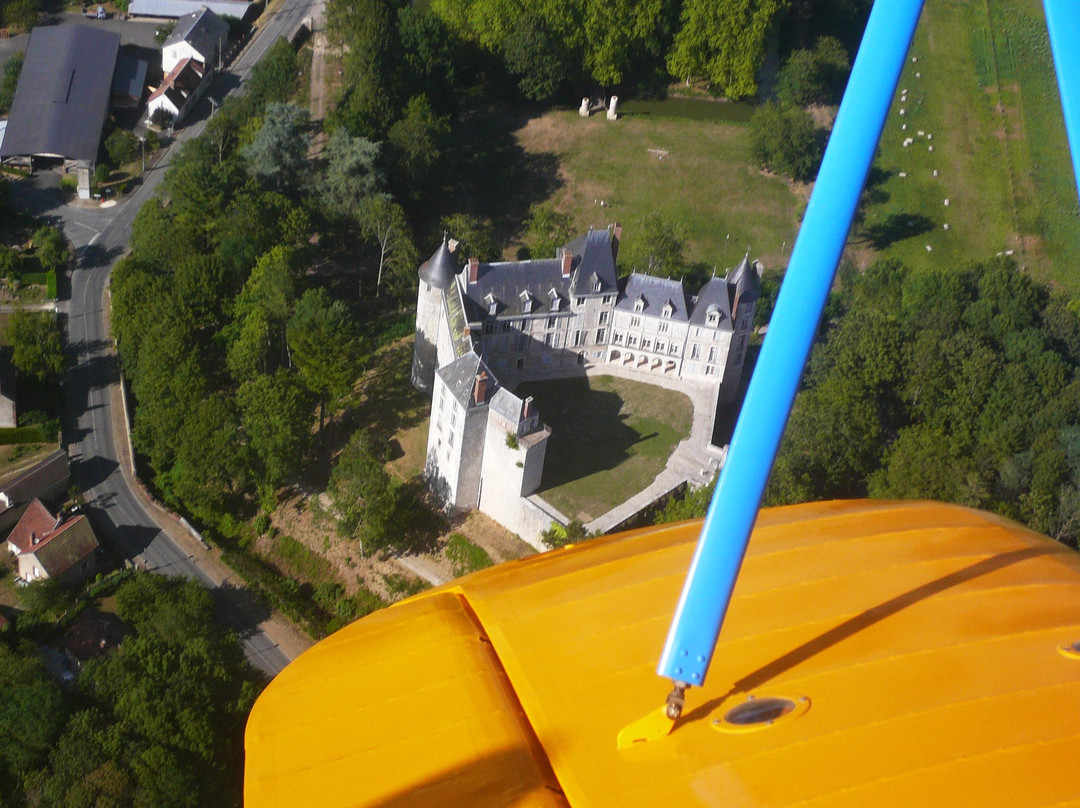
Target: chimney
[526, 409]
[474, 269]
[480, 387]
[567, 260]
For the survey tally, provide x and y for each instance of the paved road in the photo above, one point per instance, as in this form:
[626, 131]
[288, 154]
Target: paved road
[100, 236]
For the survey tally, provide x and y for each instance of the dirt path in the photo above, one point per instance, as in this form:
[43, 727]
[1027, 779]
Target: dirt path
[318, 87]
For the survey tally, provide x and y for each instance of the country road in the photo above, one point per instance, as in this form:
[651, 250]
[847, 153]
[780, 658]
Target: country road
[93, 422]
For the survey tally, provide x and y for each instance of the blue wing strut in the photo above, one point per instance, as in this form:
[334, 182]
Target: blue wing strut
[1063, 23]
[726, 532]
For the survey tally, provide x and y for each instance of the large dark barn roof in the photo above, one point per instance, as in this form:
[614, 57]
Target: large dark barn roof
[63, 93]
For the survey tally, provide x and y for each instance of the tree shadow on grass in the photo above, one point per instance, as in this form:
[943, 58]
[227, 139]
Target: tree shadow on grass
[493, 176]
[896, 227]
[592, 434]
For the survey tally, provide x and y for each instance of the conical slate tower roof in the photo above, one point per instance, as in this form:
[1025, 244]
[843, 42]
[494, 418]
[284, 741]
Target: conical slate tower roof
[440, 269]
[744, 281]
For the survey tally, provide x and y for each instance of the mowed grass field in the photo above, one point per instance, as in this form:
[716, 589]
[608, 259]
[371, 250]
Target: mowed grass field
[705, 182]
[610, 438]
[982, 93]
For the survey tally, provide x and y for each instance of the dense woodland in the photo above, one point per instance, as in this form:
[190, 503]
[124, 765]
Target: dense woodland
[959, 384]
[157, 722]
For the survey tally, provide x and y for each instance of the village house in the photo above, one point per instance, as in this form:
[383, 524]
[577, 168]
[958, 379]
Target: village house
[481, 328]
[49, 546]
[190, 56]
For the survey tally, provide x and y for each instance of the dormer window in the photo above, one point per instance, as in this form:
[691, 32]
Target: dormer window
[526, 302]
[712, 315]
[669, 309]
[492, 303]
[596, 284]
[639, 304]
[555, 300]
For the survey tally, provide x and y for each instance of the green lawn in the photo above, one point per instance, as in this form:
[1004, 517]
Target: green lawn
[986, 94]
[705, 182]
[610, 437]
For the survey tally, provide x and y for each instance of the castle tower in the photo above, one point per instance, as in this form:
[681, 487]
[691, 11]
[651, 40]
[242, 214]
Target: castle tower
[436, 277]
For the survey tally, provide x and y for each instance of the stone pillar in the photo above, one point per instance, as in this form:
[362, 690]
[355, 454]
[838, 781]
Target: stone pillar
[583, 110]
[612, 115]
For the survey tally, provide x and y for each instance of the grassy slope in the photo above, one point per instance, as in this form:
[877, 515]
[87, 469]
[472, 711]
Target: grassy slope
[610, 439]
[705, 182]
[987, 95]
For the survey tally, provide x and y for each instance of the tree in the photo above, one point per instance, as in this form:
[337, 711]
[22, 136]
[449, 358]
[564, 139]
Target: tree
[416, 143]
[51, 247]
[325, 346]
[276, 414]
[371, 505]
[474, 236]
[547, 229]
[656, 246]
[785, 140]
[35, 338]
[724, 42]
[278, 155]
[814, 76]
[212, 462]
[10, 80]
[122, 147]
[272, 80]
[31, 711]
[383, 220]
[352, 172]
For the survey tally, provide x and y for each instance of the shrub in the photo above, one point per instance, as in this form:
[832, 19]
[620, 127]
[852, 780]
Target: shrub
[161, 118]
[403, 586]
[465, 556]
[122, 146]
[102, 173]
[69, 184]
[262, 523]
[783, 139]
[511, 441]
[559, 536]
[9, 262]
[51, 247]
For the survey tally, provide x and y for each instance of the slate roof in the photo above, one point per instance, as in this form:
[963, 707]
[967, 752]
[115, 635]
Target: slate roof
[62, 97]
[202, 29]
[506, 280]
[50, 472]
[507, 405]
[744, 282]
[129, 79]
[597, 251]
[440, 269]
[656, 292]
[178, 8]
[460, 375]
[713, 293]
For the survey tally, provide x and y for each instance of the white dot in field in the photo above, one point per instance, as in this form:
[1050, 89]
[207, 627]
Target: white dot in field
[929, 248]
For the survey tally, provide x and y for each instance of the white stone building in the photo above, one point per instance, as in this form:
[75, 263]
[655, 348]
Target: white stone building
[483, 327]
[200, 35]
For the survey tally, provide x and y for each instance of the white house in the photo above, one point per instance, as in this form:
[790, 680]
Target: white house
[201, 36]
[179, 91]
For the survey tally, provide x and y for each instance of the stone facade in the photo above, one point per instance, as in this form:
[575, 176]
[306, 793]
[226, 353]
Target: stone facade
[483, 327]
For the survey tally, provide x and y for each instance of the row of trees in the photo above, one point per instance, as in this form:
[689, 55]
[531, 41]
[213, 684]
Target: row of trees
[550, 46]
[227, 349]
[157, 722]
